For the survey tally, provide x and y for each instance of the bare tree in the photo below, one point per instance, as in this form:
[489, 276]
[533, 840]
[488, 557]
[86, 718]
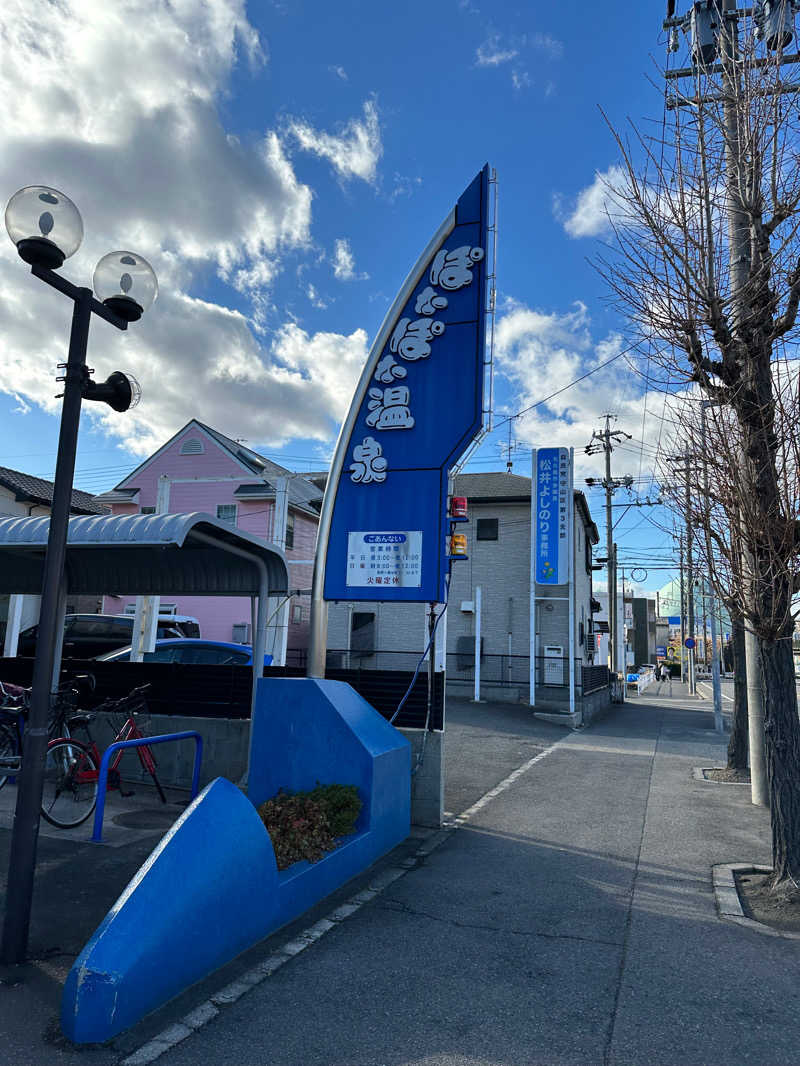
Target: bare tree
[706, 265]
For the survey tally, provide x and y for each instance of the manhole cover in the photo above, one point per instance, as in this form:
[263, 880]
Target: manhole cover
[145, 819]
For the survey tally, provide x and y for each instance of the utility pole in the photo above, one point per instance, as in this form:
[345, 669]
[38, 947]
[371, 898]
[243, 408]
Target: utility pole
[602, 441]
[716, 686]
[682, 613]
[776, 29]
[689, 576]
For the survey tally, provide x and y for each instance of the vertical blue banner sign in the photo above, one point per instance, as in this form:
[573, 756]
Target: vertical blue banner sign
[552, 507]
[418, 405]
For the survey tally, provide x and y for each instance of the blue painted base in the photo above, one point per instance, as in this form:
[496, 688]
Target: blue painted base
[212, 888]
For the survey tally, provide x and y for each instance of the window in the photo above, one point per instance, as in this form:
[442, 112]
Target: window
[297, 613]
[148, 510]
[226, 512]
[486, 529]
[289, 530]
[362, 632]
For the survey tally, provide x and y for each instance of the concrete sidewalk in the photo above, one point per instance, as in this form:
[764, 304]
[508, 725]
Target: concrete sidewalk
[571, 919]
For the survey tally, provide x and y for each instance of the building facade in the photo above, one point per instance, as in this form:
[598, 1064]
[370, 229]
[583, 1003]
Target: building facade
[200, 469]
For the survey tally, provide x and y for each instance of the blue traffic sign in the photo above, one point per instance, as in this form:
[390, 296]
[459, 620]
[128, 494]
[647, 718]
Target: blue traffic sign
[690, 643]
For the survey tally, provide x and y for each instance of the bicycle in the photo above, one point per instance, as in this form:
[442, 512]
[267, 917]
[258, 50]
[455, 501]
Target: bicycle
[72, 767]
[14, 706]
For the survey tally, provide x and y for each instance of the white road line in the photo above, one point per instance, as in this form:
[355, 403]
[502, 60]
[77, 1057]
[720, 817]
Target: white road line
[207, 1010]
[711, 693]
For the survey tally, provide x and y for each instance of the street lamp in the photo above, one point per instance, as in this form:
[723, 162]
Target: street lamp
[46, 228]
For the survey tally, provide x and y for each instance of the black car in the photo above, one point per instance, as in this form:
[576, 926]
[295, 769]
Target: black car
[88, 635]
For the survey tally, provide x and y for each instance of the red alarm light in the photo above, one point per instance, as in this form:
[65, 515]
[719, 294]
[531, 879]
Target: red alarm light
[458, 507]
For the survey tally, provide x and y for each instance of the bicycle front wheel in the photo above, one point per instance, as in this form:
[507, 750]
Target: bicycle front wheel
[70, 784]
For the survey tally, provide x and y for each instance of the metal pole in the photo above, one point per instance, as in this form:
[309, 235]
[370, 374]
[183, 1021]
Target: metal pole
[25, 832]
[477, 693]
[689, 577]
[611, 570]
[683, 617]
[719, 724]
[431, 661]
[532, 603]
[571, 581]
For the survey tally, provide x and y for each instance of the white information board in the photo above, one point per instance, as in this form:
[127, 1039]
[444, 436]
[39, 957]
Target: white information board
[384, 558]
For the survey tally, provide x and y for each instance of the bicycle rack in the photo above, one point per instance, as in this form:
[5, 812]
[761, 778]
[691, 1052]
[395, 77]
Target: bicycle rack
[102, 781]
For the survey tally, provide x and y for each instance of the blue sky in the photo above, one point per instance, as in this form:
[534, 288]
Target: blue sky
[282, 165]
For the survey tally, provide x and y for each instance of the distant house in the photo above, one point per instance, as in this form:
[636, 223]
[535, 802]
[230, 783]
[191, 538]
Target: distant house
[200, 469]
[25, 496]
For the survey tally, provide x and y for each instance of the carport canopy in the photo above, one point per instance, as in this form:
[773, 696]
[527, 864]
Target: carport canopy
[148, 555]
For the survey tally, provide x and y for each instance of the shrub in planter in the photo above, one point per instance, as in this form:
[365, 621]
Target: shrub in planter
[305, 825]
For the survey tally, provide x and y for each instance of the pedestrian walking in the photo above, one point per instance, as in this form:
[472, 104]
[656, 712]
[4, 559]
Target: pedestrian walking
[665, 675]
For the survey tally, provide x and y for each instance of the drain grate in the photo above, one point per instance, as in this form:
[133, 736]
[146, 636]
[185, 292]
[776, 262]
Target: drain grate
[155, 819]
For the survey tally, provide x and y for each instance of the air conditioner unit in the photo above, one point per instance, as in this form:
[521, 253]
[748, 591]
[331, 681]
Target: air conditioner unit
[241, 633]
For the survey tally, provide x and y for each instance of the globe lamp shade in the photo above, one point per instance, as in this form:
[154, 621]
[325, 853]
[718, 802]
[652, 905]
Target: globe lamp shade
[126, 284]
[45, 225]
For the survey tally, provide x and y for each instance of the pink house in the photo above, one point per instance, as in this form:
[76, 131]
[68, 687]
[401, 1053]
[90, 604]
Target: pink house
[200, 469]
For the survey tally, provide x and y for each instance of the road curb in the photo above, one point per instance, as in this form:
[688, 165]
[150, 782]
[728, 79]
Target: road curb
[727, 899]
[699, 774]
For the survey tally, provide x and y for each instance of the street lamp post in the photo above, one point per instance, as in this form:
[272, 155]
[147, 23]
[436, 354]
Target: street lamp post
[46, 227]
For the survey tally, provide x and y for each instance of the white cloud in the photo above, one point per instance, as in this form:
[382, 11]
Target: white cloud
[539, 352]
[344, 264]
[595, 206]
[315, 298]
[496, 52]
[492, 54]
[403, 186]
[340, 72]
[148, 161]
[545, 42]
[353, 152]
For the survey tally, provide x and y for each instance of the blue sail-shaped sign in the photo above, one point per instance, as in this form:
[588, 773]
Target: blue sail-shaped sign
[418, 405]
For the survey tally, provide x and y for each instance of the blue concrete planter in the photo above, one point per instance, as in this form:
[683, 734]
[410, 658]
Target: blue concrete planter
[212, 888]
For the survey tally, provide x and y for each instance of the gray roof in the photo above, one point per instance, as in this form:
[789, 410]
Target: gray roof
[502, 486]
[492, 486]
[35, 490]
[167, 554]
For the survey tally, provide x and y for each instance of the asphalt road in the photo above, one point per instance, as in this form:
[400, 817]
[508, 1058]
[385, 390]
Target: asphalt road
[570, 922]
[704, 689]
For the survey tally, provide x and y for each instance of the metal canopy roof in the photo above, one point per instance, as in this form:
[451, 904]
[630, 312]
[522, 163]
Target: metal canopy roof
[159, 554]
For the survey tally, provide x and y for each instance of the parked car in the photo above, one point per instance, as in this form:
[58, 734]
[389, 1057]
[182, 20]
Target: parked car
[187, 650]
[186, 624]
[88, 635]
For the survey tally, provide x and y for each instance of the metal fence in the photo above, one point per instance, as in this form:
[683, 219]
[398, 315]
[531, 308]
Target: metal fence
[594, 678]
[198, 690]
[495, 669]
